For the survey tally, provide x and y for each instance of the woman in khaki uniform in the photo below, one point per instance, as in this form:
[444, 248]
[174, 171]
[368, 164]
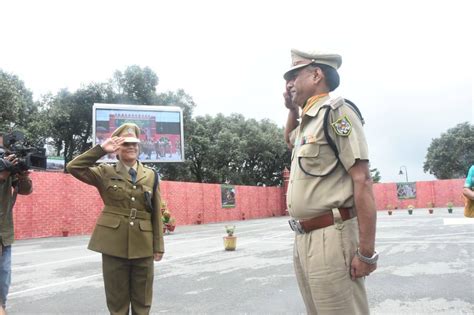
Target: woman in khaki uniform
[129, 231]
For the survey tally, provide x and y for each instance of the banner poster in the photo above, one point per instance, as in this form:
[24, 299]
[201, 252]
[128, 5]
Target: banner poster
[406, 190]
[161, 138]
[228, 196]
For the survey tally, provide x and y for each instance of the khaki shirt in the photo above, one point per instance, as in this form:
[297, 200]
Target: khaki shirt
[309, 196]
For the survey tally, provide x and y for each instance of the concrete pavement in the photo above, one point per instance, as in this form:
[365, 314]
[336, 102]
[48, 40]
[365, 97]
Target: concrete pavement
[426, 267]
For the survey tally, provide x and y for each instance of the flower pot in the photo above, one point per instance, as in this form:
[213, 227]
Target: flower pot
[430, 211]
[450, 210]
[65, 233]
[170, 227]
[389, 212]
[410, 211]
[230, 242]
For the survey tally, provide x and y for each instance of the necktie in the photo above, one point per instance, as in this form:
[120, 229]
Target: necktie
[133, 174]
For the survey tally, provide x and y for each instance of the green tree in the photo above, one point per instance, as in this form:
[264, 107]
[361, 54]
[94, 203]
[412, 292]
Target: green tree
[69, 117]
[135, 85]
[236, 150]
[451, 155]
[17, 108]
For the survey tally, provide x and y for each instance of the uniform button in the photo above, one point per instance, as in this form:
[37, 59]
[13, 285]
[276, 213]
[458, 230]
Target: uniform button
[134, 187]
[131, 223]
[133, 198]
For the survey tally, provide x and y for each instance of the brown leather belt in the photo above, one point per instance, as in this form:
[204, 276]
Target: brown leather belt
[320, 222]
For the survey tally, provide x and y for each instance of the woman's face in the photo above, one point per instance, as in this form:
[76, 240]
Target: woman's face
[128, 152]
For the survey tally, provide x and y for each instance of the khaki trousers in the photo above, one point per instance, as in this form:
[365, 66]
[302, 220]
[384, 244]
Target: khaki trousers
[322, 260]
[128, 281]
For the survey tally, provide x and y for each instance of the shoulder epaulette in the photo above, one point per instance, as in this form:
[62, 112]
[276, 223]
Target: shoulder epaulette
[336, 103]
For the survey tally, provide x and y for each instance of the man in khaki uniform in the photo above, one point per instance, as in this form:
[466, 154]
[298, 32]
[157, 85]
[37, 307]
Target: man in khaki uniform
[129, 231]
[329, 196]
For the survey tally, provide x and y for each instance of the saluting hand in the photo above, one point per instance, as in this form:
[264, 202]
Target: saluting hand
[288, 102]
[112, 144]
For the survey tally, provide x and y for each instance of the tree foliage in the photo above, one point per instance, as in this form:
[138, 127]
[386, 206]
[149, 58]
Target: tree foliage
[17, 108]
[236, 150]
[221, 149]
[451, 155]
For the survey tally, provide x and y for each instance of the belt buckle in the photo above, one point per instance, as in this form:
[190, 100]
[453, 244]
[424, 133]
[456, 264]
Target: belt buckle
[133, 214]
[295, 225]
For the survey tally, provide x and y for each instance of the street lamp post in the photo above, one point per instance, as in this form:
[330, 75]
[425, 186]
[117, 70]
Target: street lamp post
[406, 172]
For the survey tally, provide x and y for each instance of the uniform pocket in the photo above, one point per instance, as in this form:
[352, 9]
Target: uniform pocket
[116, 189]
[350, 239]
[146, 226]
[308, 159]
[334, 248]
[316, 159]
[108, 221]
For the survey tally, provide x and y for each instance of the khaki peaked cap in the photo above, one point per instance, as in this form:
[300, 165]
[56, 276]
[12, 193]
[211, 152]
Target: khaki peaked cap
[129, 131]
[300, 59]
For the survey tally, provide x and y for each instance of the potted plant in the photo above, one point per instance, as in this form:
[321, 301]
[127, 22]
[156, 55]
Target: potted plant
[169, 223]
[430, 207]
[450, 207]
[66, 223]
[230, 241]
[410, 209]
[390, 209]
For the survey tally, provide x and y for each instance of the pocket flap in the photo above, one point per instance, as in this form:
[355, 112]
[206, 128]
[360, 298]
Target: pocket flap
[146, 226]
[109, 221]
[309, 150]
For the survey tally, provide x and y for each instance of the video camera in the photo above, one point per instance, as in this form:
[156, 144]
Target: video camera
[28, 157]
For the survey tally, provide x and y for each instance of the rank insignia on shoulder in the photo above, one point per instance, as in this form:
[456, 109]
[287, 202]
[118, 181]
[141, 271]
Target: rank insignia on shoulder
[342, 126]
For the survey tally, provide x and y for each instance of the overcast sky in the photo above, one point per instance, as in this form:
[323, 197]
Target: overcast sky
[406, 64]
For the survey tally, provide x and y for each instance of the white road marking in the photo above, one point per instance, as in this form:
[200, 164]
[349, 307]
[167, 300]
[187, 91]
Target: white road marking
[53, 262]
[457, 221]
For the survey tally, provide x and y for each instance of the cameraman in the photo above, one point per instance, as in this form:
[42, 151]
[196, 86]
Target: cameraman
[10, 186]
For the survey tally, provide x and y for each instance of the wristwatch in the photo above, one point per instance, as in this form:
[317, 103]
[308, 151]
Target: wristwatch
[368, 260]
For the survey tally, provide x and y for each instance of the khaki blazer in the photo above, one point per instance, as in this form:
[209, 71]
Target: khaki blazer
[127, 227]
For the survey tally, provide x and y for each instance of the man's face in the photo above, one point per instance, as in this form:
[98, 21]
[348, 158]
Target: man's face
[128, 151]
[301, 85]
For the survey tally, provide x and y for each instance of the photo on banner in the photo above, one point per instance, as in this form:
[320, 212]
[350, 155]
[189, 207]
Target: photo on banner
[161, 138]
[228, 196]
[406, 190]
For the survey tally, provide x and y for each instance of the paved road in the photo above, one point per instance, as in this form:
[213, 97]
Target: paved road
[426, 267]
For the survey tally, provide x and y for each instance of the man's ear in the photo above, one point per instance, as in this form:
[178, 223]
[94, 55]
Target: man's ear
[318, 73]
